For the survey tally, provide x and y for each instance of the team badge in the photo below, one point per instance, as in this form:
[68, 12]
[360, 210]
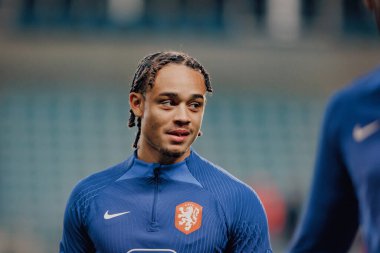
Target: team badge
[188, 217]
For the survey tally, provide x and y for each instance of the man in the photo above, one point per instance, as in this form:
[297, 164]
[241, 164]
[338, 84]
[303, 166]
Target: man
[345, 193]
[165, 197]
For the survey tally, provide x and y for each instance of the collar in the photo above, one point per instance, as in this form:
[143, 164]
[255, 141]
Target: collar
[175, 172]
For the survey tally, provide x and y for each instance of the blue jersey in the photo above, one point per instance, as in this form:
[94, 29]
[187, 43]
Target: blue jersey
[191, 206]
[345, 193]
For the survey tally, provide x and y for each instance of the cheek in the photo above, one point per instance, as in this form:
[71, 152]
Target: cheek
[197, 120]
[154, 119]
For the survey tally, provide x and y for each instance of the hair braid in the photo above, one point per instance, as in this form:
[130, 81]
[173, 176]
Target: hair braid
[146, 73]
[138, 133]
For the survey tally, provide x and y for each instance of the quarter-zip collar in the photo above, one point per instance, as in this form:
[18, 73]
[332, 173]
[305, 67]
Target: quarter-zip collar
[177, 171]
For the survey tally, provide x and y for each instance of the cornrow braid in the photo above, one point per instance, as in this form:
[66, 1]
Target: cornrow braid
[146, 73]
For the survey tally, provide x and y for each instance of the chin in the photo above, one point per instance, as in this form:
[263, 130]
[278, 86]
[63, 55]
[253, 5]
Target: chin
[175, 153]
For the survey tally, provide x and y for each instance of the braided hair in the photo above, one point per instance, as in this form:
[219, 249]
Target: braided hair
[146, 75]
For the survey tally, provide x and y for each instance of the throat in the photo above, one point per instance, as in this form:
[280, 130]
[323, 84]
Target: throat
[161, 155]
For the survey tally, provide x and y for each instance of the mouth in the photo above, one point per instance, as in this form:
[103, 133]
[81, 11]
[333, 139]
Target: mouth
[178, 135]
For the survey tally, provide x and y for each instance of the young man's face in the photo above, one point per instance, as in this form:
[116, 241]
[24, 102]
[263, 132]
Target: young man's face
[171, 114]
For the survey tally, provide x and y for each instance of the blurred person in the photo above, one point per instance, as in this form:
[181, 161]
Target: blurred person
[165, 197]
[345, 192]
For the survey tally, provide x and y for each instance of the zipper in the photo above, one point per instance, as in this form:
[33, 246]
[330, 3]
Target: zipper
[153, 225]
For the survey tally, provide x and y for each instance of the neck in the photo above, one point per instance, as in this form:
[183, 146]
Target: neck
[155, 156]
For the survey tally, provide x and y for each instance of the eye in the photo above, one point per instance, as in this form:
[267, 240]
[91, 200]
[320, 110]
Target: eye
[167, 103]
[195, 106]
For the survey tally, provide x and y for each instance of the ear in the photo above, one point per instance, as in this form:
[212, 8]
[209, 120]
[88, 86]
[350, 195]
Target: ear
[136, 102]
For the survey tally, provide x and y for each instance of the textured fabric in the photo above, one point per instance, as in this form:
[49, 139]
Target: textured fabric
[346, 187]
[192, 206]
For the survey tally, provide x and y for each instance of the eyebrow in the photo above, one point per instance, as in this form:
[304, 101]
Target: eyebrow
[175, 95]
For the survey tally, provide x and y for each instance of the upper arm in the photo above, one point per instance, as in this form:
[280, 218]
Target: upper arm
[249, 232]
[330, 219]
[74, 237]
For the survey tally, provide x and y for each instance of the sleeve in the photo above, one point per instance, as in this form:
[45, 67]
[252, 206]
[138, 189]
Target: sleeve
[75, 238]
[330, 220]
[249, 231]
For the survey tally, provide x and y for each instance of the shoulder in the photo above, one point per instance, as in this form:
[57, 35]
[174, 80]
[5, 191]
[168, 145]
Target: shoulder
[231, 192]
[349, 102]
[360, 88]
[89, 187]
[211, 175]
[243, 210]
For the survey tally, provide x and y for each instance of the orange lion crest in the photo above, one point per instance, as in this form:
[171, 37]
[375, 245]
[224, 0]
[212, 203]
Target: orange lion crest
[188, 217]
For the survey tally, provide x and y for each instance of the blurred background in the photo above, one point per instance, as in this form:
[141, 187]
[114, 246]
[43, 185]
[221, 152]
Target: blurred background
[65, 71]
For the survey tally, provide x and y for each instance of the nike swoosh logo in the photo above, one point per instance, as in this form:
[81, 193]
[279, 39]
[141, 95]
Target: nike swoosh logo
[362, 133]
[108, 216]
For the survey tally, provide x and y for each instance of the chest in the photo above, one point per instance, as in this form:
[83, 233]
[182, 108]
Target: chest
[362, 153]
[144, 216]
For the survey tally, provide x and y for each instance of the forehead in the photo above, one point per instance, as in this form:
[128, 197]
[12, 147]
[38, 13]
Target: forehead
[179, 79]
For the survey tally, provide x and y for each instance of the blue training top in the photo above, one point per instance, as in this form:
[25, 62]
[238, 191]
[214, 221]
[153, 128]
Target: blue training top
[346, 186]
[191, 206]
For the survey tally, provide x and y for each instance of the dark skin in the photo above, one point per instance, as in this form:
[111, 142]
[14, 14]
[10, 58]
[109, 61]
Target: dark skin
[171, 114]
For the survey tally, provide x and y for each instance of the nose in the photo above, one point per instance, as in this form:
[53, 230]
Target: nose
[181, 115]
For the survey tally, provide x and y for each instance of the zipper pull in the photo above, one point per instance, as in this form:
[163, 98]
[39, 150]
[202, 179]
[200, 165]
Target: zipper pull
[156, 172]
[153, 225]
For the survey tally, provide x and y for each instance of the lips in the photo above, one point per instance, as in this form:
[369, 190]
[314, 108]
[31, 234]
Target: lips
[178, 135]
